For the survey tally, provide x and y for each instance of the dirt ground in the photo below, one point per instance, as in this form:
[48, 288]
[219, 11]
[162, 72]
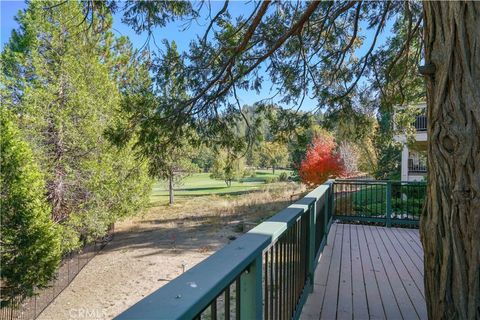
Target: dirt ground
[148, 251]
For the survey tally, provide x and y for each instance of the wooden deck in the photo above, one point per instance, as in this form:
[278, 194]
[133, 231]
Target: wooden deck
[368, 272]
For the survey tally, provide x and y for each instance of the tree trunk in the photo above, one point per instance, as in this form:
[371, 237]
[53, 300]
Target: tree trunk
[170, 189]
[54, 139]
[450, 226]
[273, 169]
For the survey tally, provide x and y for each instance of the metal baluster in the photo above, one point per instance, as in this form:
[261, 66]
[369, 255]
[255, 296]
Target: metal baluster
[272, 283]
[277, 282]
[227, 303]
[266, 284]
[237, 299]
[213, 309]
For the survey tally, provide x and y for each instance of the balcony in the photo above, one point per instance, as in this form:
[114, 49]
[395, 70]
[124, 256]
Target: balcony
[416, 166]
[311, 260]
[420, 123]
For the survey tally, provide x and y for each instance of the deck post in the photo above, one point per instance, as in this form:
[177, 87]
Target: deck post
[388, 222]
[328, 209]
[312, 209]
[326, 206]
[251, 299]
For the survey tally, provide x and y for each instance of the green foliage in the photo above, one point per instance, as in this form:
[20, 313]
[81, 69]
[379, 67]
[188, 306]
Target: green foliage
[30, 251]
[274, 154]
[406, 200]
[227, 167]
[203, 158]
[388, 150]
[249, 172]
[282, 177]
[271, 180]
[63, 84]
[145, 106]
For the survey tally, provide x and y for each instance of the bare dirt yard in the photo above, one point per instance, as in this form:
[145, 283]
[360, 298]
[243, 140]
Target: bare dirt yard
[150, 250]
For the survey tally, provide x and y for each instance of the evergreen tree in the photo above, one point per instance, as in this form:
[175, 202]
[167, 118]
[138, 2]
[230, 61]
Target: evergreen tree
[145, 106]
[30, 243]
[61, 83]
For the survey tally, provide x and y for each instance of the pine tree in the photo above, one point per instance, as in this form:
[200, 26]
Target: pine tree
[30, 243]
[61, 83]
[145, 106]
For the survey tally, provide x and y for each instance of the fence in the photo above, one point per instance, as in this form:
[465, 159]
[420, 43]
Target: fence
[30, 308]
[386, 202]
[267, 273]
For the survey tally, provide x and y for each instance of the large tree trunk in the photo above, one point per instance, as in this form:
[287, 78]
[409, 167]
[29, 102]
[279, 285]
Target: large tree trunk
[450, 229]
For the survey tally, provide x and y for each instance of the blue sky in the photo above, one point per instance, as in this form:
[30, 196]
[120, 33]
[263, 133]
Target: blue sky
[173, 31]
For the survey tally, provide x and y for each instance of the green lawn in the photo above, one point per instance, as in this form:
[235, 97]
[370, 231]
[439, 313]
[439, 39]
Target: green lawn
[200, 184]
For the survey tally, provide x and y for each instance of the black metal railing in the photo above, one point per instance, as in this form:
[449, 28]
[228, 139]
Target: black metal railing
[416, 167]
[283, 280]
[286, 272]
[420, 123]
[385, 202]
[226, 305]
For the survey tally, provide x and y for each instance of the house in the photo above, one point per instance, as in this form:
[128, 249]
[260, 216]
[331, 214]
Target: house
[414, 162]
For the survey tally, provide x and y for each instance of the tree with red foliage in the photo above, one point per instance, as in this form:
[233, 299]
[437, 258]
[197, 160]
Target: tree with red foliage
[321, 162]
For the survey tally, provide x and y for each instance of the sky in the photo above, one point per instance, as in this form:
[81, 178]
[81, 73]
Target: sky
[173, 31]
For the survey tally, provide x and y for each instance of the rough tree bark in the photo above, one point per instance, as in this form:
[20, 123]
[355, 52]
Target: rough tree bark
[450, 227]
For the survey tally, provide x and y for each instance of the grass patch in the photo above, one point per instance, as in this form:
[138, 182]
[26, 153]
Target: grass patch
[200, 184]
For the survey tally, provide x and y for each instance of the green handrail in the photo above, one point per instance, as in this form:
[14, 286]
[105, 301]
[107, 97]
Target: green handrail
[191, 293]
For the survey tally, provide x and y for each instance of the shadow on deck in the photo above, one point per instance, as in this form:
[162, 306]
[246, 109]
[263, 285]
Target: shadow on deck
[368, 272]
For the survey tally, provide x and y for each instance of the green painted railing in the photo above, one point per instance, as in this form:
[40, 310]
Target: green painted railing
[386, 202]
[266, 273]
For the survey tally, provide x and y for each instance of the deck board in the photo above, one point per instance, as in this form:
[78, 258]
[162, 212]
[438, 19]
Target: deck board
[359, 296]
[345, 307]
[375, 309]
[330, 301]
[311, 309]
[368, 272]
[417, 261]
[413, 270]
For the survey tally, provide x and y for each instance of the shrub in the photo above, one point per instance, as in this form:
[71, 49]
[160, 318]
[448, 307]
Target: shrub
[283, 177]
[30, 240]
[249, 172]
[270, 180]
